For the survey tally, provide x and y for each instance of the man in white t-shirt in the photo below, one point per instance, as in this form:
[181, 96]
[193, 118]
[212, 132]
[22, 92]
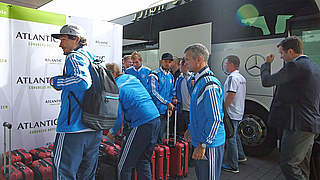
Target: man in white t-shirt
[234, 100]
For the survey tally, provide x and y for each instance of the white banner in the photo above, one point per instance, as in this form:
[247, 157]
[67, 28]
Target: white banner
[35, 58]
[104, 38]
[29, 57]
[5, 76]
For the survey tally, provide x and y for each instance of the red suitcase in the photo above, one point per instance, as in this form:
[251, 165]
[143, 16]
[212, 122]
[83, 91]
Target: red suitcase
[20, 155]
[19, 171]
[118, 137]
[105, 139]
[109, 152]
[16, 171]
[15, 174]
[42, 169]
[178, 152]
[134, 174]
[153, 165]
[14, 157]
[162, 154]
[50, 146]
[40, 153]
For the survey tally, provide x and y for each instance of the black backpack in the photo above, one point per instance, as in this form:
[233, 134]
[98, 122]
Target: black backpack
[100, 103]
[228, 126]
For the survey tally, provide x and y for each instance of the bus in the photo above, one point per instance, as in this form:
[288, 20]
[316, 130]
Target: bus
[250, 29]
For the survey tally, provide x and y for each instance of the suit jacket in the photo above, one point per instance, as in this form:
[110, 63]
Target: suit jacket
[296, 101]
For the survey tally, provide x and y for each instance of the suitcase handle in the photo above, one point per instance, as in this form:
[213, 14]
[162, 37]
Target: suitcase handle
[7, 125]
[43, 163]
[5, 169]
[168, 118]
[175, 126]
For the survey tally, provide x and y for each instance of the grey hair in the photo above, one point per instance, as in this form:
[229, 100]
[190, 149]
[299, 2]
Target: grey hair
[196, 50]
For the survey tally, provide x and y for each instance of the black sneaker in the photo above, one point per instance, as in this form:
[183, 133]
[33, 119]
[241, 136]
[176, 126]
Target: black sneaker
[228, 169]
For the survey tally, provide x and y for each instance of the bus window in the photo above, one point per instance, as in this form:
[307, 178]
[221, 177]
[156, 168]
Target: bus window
[281, 23]
[308, 29]
[311, 44]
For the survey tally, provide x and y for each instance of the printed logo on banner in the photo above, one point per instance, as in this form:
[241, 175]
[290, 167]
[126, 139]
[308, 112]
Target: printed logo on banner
[103, 43]
[34, 82]
[33, 126]
[53, 60]
[4, 107]
[3, 60]
[53, 101]
[44, 40]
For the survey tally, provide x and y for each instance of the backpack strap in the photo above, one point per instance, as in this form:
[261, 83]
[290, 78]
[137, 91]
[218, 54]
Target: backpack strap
[71, 93]
[69, 111]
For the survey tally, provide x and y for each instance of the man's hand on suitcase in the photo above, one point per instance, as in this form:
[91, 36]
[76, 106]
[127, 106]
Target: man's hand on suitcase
[110, 136]
[170, 107]
[198, 153]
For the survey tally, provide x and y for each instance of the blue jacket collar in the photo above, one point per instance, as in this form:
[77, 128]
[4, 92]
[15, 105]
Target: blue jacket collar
[76, 49]
[201, 72]
[164, 72]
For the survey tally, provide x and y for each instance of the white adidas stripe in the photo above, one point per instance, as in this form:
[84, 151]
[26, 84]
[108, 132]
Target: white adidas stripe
[58, 151]
[126, 150]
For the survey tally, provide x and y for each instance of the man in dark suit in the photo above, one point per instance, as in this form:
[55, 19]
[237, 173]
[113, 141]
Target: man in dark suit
[295, 106]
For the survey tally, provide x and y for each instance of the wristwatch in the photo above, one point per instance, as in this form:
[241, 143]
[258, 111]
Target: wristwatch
[203, 145]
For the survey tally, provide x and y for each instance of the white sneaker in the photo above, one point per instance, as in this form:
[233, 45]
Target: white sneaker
[242, 160]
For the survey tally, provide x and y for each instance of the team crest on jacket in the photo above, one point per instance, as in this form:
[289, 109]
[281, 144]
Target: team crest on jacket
[162, 80]
[143, 75]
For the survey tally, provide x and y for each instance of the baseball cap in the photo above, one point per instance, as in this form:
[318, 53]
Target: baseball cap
[70, 29]
[167, 56]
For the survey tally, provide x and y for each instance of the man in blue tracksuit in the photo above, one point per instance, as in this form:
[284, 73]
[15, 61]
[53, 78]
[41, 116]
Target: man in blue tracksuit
[142, 117]
[76, 146]
[138, 70]
[206, 128]
[161, 89]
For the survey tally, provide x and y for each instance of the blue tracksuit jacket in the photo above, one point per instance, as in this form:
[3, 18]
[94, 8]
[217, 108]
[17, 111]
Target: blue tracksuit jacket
[206, 112]
[135, 103]
[142, 74]
[161, 88]
[77, 79]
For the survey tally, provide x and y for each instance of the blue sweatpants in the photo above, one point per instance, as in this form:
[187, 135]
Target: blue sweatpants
[209, 168]
[75, 155]
[137, 151]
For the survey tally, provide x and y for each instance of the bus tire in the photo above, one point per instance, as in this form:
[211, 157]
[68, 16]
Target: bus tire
[257, 139]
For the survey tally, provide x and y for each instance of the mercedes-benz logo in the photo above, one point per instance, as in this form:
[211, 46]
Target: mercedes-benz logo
[253, 64]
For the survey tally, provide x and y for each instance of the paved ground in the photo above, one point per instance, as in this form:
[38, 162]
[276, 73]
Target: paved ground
[263, 168]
